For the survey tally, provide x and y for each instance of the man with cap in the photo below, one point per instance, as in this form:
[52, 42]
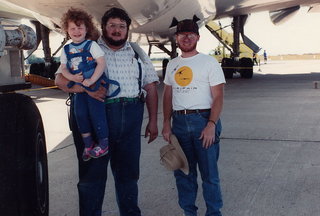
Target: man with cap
[193, 98]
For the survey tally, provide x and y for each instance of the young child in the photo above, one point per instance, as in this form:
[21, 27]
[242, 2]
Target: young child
[83, 63]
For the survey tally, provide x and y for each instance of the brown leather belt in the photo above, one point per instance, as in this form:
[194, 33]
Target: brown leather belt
[186, 112]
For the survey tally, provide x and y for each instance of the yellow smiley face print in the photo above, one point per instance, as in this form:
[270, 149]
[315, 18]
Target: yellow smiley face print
[183, 76]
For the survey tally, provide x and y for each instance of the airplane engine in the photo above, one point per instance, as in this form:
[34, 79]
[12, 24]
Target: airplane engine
[280, 16]
[23, 168]
[14, 39]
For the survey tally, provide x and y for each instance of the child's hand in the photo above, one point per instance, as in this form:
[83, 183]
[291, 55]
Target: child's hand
[78, 77]
[87, 82]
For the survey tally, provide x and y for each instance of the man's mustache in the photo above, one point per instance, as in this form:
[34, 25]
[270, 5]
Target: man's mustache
[116, 34]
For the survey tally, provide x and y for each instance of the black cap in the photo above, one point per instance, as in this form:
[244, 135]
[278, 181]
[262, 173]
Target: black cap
[186, 25]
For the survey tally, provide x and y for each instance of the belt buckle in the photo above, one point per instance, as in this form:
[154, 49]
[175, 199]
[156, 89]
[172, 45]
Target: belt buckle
[185, 112]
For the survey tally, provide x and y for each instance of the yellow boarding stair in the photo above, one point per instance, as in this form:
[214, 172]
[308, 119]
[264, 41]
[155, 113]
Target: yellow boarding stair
[226, 39]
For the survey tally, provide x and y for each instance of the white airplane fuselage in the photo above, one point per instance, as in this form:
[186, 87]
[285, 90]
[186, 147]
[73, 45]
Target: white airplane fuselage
[151, 17]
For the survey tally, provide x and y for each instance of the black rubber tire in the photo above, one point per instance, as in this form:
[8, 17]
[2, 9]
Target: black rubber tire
[24, 184]
[248, 64]
[228, 72]
[42, 70]
[34, 69]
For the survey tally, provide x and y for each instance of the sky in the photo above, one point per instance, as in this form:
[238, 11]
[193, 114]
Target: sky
[299, 35]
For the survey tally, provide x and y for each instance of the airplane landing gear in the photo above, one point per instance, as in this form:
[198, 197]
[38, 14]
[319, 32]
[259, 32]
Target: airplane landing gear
[227, 65]
[246, 68]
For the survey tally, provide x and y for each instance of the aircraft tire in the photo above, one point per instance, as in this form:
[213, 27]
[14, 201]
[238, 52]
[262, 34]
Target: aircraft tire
[226, 63]
[24, 184]
[35, 69]
[247, 63]
[42, 70]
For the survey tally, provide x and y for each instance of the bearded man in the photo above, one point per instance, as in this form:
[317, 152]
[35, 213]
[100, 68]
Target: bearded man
[138, 79]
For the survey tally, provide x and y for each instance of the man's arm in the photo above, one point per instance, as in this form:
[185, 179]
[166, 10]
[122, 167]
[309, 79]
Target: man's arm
[208, 133]
[167, 112]
[152, 106]
[69, 76]
[62, 82]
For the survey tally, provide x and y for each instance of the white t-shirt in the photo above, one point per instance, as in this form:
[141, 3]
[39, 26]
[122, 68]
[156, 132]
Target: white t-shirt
[191, 79]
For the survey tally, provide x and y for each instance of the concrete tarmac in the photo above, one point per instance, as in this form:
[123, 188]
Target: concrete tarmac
[270, 146]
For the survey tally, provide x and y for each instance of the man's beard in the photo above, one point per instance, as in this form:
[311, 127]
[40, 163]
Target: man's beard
[187, 49]
[112, 42]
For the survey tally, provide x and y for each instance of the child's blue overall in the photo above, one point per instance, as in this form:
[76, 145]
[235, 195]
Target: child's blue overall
[89, 112]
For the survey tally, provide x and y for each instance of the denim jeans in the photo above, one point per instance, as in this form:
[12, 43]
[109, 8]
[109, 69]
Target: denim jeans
[125, 121]
[187, 129]
[91, 115]
[92, 175]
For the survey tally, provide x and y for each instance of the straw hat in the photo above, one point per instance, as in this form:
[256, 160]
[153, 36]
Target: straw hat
[173, 157]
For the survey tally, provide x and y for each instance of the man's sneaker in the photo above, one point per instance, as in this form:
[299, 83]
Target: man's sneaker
[86, 154]
[97, 152]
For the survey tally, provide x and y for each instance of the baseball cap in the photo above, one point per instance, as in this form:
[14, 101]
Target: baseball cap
[186, 25]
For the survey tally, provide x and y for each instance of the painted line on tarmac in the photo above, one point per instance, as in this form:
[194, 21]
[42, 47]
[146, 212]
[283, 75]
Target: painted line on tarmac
[37, 89]
[271, 140]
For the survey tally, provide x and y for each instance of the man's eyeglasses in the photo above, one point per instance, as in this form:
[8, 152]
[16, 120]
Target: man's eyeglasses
[122, 27]
[190, 36]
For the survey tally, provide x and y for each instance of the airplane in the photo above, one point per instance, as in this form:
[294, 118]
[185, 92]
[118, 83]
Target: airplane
[151, 19]
[24, 176]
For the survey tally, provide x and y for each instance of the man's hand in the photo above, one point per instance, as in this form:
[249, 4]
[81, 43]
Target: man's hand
[62, 83]
[152, 106]
[208, 135]
[151, 131]
[100, 94]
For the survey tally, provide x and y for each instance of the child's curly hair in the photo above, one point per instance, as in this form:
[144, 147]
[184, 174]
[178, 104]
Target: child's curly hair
[79, 16]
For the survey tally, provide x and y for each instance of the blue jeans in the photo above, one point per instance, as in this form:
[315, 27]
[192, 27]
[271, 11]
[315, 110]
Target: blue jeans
[91, 115]
[92, 174]
[187, 129]
[125, 122]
